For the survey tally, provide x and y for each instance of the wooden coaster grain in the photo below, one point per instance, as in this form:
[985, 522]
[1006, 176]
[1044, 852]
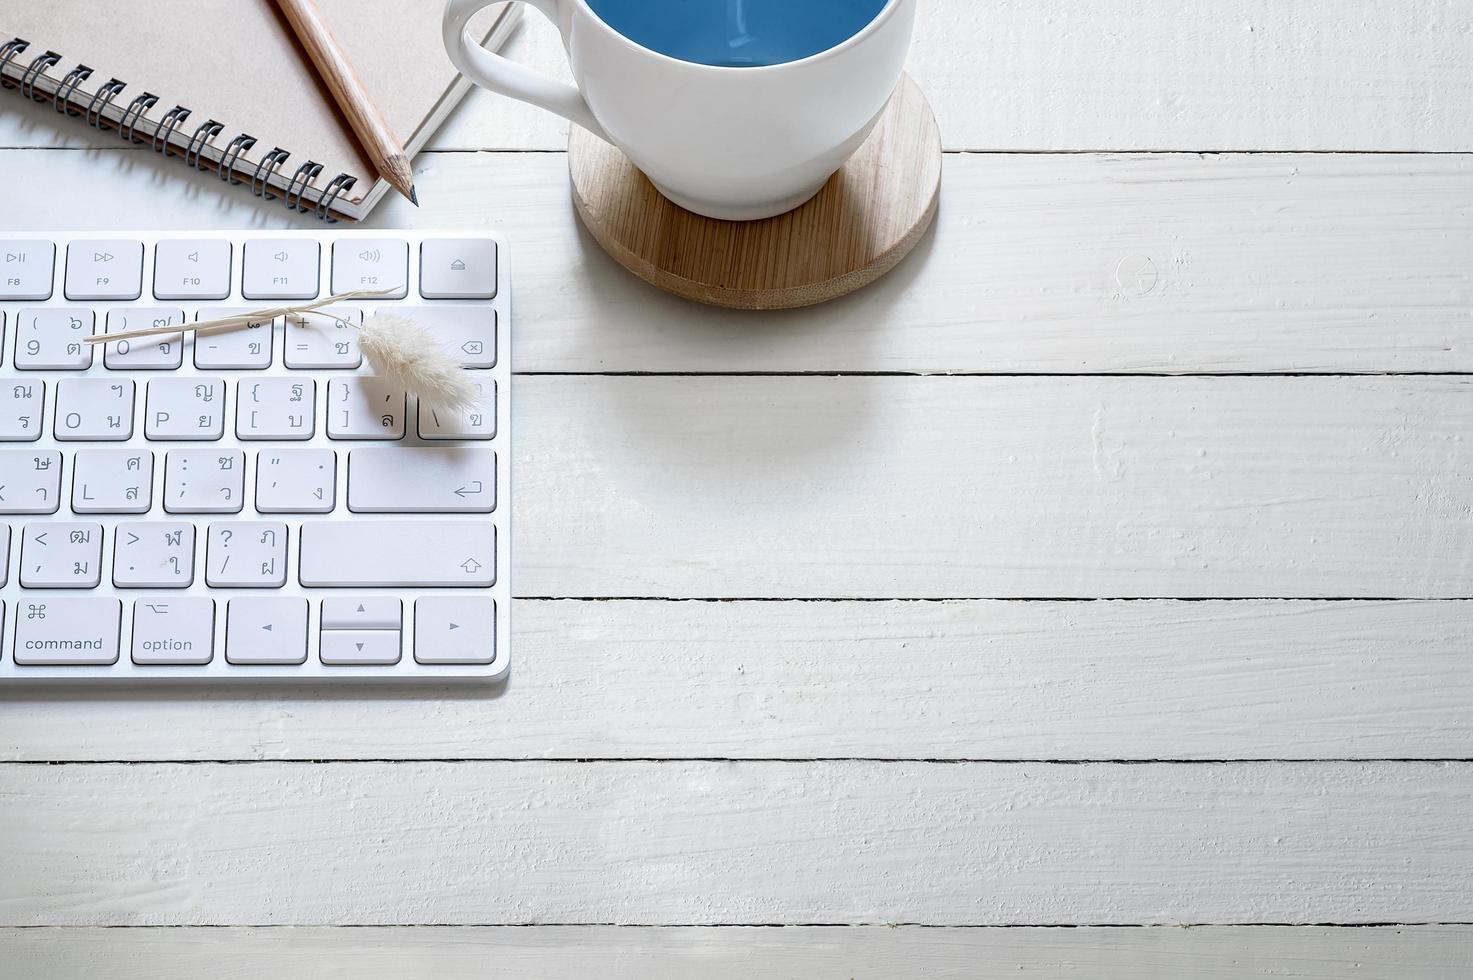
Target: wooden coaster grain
[862, 223]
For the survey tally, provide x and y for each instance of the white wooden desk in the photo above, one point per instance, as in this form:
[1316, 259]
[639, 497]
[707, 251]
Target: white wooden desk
[811, 634]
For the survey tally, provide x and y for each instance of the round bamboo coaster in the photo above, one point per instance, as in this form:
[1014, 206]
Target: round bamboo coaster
[862, 223]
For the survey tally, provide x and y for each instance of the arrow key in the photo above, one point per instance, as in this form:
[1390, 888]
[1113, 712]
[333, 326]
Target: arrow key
[359, 647]
[455, 630]
[266, 630]
[362, 613]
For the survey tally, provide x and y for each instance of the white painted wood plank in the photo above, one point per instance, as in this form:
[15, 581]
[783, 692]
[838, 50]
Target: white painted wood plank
[1053, 264]
[865, 952]
[1110, 75]
[735, 842]
[994, 488]
[798, 680]
[1128, 75]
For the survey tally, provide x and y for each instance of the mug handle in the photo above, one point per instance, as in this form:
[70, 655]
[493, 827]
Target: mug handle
[505, 76]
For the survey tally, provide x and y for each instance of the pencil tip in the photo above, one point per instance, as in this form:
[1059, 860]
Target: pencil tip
[413, 197]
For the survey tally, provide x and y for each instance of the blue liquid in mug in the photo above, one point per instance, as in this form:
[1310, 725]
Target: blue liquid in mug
[738, 33]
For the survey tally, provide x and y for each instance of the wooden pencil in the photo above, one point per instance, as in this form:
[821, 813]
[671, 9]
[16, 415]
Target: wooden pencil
[352, 97]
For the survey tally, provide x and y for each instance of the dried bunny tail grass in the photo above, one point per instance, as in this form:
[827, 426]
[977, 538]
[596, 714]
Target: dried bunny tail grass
[406, 354]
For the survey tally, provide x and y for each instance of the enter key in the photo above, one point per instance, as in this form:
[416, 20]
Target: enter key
[402, 480]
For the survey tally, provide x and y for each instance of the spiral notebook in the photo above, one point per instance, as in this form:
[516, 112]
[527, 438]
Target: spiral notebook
[223, 85]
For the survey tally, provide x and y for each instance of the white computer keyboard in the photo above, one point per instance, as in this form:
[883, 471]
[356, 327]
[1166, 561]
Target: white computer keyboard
[250, 505]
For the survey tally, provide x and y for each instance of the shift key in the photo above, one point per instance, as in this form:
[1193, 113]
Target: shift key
[389, 554]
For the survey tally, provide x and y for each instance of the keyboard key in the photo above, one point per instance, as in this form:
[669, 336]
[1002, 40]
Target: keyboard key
[52, 340]
[174, 630]
[161, 353]
[236, 348]
[457, 268]
[389, 554]
[61, 555]
[30, 482]
[204, 481]
[362, 613]
[94, 410]
[104, 268]
[280, 268]
[191, 269]
[467, 333]
[455, 630]
[438, 481]
[366, 648]
[276, 408]
[296, 481]
[371, 263]
[246, 555]
[476, 422]
[364, 408]
[112, 481]
[153, 555]
[67, 631]
[266, 630]
[26, 268]
[22, 404]
[185, 409]
[326, 338]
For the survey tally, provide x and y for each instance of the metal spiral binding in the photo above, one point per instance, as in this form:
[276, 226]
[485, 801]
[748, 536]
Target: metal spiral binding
[134, 114]
[164, 131]
[307, 173]
[8, 51]
[203, 137]
[106, 93]
[264, 169]
[61, 99]
[67, 99]
[36, 70]
[330, 194]
[237, 146]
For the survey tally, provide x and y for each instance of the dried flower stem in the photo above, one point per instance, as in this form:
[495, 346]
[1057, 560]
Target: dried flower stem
[237, 320]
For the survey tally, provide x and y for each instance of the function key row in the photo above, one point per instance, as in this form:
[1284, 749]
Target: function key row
[179, 631]
[54, 338]
[271, 268]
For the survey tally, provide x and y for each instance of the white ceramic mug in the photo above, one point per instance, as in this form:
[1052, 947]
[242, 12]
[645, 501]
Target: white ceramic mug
[734, 143]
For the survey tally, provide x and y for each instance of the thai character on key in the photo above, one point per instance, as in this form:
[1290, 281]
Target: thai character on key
[388, 421]
[20, 391]
[295, 421]
[135, 462]
[80, 537]
[43, 462]
[204, 422]
[226, 462]
[268, 536]
[131, 493]
[173, 537]
[114, 421]
[205, 393]
[297, 391]
[476, 419]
